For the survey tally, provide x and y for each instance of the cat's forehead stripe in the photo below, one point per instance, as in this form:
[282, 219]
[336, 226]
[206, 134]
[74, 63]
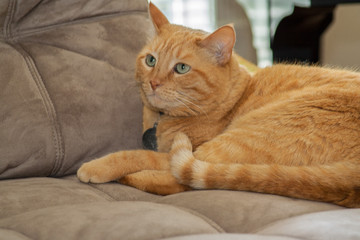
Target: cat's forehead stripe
[169, 46]
[173, 45]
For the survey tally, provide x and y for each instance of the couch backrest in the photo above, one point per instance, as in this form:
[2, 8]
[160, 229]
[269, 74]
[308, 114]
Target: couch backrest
[67, 88]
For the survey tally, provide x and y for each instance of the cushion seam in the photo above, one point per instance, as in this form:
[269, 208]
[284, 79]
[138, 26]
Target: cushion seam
[105, 195]
[209, 221]
[74, 51]
[37, 79]
[8, 20]
[49, 108]
[26, 33]
[261, 228]
[18, 233]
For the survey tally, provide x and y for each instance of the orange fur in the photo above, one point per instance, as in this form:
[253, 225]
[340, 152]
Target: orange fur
[288, 130]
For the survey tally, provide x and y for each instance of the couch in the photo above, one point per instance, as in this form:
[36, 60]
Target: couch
[68, 95]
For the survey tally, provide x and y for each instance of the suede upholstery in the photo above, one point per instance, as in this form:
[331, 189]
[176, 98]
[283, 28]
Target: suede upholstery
[50, 208]
[67, 83]
[68, 95]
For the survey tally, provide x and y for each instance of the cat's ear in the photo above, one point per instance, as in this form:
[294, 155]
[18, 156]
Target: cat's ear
[221, 43]
[157, 17]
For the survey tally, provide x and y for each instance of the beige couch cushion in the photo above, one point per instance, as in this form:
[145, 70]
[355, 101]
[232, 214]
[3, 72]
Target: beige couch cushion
[67, 87]
[48, 208]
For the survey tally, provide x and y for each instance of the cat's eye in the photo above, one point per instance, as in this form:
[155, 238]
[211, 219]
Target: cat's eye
[150, 60]
[182, 68]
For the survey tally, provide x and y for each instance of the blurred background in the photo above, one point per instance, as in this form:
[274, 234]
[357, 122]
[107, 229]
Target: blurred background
[270, 31]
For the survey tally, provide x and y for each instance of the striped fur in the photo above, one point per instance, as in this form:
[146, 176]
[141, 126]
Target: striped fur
[337, 187]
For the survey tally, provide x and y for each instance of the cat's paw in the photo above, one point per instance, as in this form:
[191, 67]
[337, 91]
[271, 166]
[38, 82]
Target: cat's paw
[96, 171]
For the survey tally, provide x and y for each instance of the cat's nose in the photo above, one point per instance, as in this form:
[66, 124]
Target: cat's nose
[154, 84]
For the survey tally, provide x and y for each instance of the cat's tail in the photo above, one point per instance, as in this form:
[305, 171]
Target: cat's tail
[337, 183]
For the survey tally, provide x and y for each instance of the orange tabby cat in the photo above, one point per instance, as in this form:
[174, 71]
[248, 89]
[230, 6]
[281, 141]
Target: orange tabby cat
[287, 130]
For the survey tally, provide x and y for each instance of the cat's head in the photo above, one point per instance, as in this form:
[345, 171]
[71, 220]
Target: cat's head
[182, 71]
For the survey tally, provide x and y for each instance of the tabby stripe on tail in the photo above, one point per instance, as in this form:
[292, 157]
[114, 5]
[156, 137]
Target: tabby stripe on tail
[307, 182]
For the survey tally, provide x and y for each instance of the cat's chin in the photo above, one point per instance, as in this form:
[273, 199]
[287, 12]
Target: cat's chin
[167, 106]
[158, 102]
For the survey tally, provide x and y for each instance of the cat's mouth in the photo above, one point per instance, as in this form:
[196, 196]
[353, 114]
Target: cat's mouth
[154, 99]
[173, 104]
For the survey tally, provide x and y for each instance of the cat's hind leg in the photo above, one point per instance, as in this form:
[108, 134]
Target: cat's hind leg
[119, 164]
[154, 181]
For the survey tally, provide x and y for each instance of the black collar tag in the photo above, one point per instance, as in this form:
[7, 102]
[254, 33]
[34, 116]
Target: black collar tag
[149, 138]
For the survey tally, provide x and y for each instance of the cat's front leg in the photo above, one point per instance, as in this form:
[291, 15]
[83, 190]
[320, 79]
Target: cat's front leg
[154, 181]
[116, 165]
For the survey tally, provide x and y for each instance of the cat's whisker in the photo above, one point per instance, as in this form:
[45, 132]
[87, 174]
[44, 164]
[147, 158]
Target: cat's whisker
[201, 110]
[195, 105]
[186, 95]
[177, 99]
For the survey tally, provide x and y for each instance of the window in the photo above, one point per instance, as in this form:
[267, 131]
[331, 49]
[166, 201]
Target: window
[199, 14]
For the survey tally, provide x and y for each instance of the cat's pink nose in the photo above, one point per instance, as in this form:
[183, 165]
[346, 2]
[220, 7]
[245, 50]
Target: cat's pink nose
[154, 84]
